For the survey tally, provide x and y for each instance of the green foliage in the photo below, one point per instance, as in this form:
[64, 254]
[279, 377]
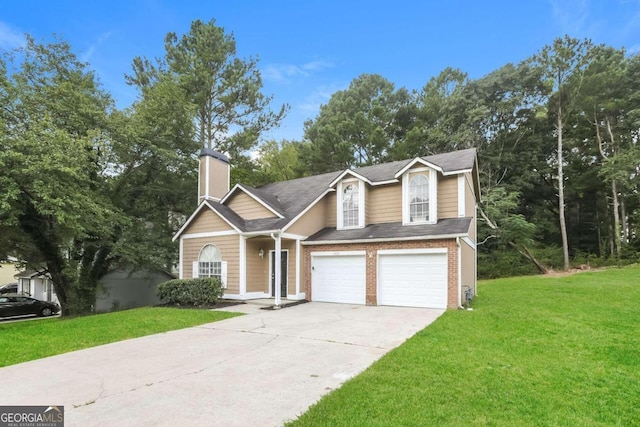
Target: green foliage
[191, 292]
[556, 351]
[24, 341]
[224, 91]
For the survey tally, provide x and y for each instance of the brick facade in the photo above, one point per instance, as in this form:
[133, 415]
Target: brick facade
[372, 249]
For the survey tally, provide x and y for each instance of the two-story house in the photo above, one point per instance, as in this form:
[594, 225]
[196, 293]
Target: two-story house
[401, 233]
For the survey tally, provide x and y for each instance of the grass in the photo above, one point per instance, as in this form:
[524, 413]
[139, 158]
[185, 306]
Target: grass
[536, 351]
[30, 340]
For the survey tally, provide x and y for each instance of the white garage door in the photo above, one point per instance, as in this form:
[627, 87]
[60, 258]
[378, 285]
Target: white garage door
[338, 278]
[412, 279]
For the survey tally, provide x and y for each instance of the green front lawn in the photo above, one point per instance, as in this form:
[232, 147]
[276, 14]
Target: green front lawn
[29, 340]
[536, 351]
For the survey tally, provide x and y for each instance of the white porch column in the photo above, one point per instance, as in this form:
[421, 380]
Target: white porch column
[277, 277]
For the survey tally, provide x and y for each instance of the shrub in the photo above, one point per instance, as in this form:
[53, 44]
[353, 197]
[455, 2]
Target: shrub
[194, 292]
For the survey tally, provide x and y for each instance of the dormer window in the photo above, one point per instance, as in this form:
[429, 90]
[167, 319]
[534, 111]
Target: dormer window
[350, 204]
[419, 194]
[419, 198]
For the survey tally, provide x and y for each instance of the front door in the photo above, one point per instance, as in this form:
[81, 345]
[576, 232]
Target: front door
[283, 273]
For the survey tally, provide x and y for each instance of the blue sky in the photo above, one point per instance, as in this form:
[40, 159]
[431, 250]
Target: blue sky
[310, 49]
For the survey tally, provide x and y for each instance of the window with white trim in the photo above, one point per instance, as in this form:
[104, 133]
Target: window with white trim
[419, 198]
[350, 204]
[210, 262]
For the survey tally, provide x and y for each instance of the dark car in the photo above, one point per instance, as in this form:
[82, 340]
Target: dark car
[9, 288]
[18, 305]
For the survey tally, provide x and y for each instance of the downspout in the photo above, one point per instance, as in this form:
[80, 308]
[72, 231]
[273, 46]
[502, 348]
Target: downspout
[459, 273]
[277, 277]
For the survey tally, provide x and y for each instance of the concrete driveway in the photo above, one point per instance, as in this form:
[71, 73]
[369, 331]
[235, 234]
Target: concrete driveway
[261, 369]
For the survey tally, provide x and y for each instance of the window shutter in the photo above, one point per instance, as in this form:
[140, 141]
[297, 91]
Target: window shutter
[223, 274]
[194, 273]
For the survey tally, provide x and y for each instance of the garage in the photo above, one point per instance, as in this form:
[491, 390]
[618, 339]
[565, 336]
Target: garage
[413, 278]
[338, 277]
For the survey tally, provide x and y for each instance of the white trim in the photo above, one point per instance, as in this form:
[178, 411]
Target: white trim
[386, 239]
[208, 234]
[462, 189]
[254, 197]
[413, 251]
[433, 197]
[340, 207]
[422, 162]
[293, 236]
[469, 242]
[298, 251]
[389, 181]
[352, 173]
[459, 272]
[243, 264]
[430, 165]
[297, 297]
[337, 253]
[196, 212]
[312, 204]
[206, 177]
[272, 253]
[181, 259]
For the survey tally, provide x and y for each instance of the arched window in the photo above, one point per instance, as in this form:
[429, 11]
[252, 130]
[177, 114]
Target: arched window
[419, 199]
[350, 213]
[210, 262]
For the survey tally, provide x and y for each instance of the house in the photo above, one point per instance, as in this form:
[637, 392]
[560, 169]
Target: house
[401, 233]
[121, 289]
[8, 269]
[37, 285]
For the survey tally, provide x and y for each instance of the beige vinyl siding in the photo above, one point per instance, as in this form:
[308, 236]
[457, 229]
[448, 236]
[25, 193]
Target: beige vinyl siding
[331, 210]
[229, 248]
[447, 196]
[367, 194]
[290, 245]
[258, 268]
[258, 278]
[218, 178]
[248, 208]
[207, 221]
[384, 204]
[468, 266]
[469, 197]
[312, 221]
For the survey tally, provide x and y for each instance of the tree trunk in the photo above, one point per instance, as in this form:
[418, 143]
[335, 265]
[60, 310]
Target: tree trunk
[563, 224]
[524, 251]
[616, 218]
[624, 224]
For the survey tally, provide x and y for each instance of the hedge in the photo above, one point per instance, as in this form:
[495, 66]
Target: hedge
[193, 292]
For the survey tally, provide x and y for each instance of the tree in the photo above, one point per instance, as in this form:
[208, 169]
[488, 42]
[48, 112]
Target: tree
[230, 111]
[280, 161]
[357, 127]
[562, 65]
[54, 117]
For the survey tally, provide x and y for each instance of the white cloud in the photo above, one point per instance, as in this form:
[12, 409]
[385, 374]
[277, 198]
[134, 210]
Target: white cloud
[89, 52]
[10, 38]
[282, 73]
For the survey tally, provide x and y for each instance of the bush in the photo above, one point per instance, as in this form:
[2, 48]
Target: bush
[194, 292]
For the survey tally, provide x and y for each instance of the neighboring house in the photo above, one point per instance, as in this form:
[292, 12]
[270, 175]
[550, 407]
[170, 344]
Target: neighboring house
[401, 233]
[37, 285]
[8, 270]
[122, 289]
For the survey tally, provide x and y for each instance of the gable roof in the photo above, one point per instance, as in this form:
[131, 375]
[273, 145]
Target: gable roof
[290, 198]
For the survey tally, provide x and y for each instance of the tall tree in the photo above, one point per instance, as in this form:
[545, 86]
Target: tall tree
[230, 109]
[358, 126]
[562, 65]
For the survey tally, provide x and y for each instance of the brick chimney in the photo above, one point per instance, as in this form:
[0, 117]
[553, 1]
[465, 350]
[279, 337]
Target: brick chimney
[213, 175]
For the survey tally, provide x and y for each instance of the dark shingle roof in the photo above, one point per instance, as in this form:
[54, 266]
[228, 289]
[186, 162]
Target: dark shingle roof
[394, 230]
[290, 198]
